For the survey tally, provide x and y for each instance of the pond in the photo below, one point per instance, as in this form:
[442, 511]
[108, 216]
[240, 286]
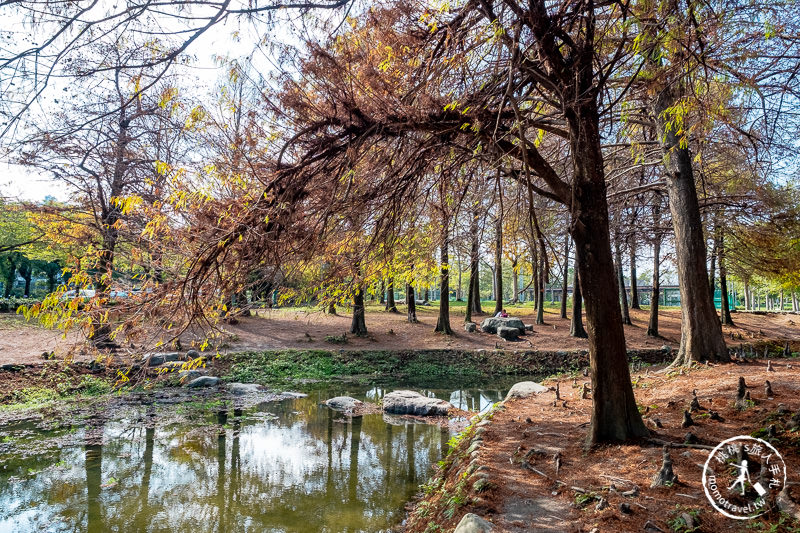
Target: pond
[208, 463]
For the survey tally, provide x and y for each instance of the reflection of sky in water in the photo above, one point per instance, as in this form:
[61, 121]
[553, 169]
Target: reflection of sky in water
[305, 469]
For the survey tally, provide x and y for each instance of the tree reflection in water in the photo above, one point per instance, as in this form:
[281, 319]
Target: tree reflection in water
[291, 466]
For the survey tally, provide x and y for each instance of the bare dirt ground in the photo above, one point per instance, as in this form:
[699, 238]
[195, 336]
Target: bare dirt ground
[22, 342]
[540, 498]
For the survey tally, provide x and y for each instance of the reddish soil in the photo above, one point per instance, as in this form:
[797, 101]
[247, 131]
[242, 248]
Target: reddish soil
[22, 342]
[534, 423]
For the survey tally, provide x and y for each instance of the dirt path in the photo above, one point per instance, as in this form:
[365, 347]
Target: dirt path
[539, 497]
[22, 342]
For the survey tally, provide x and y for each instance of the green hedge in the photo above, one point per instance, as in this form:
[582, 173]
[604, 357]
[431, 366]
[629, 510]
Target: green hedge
[10, 305]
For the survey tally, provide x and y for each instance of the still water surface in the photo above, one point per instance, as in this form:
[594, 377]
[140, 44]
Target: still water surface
[209, 464]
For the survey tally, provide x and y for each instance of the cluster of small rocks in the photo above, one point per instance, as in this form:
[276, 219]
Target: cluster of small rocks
[400, 402]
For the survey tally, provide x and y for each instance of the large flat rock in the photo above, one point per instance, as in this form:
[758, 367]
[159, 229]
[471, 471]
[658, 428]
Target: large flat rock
[241, 389]
[524, 389]
[406, 402]
[490, 325]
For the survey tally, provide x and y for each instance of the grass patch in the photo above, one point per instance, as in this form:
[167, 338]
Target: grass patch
[292, 365]
[56, 386]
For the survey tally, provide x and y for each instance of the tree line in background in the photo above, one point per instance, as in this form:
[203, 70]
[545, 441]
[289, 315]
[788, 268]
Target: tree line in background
[394, 145]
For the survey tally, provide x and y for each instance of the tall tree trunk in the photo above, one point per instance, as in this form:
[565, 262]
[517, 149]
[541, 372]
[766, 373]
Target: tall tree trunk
[725, 308]
[542, 288]
[27, 277]
[11, 276]
[780, 300]
[794, 301]
[712, 268]
[383, 294]
[747, 302]
[411, 302]
[473, 294]
[701, 330]
[443, 324]
[564, 279]
[652, 326]
[634, 277]
[514, 283]
[576, 328]
[623, 297]
[474, 265]
[391, 306]
[476, 288]
[470, 297]
[536, 279]
[459, 292]
[498, 263]
[543, 266]
[615, 416]
[359, 324]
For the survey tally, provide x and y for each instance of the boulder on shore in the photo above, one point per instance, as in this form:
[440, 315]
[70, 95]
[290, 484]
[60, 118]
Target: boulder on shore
[185, 376]
[343, 403]
[524, 389]
[241, 389]
[507, 333]
[204, 381]
[472, 523]
[156, 359]
[490, 325]
[406, 402]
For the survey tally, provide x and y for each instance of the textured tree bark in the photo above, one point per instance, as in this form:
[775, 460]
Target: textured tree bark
[391, 305]
[542, 286]
[498, 263]
[748, 305]
[634, 277]
[383, 294]
[411, 303]
[359, 325]
[470, 296]
[443, 324]
[474, 266]
[576, 328]
[701, 330]
[652, 326]
[712, 268]
[472, 292]
[535, 278]
[514, 283]
[543, 267]
[459, 292]
[623, 296]
[564, 280]
[725, 308]
[615, 416]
